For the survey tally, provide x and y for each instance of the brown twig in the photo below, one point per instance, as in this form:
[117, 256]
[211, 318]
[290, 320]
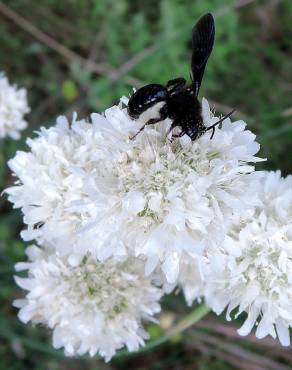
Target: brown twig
[236, 6]
[210, 350]
[287, 112]
[89, 64]
[137, 58]
[55, 45]
[140, 56]
[230, 331]
[258, 360]
[105, 69]
[96, 45]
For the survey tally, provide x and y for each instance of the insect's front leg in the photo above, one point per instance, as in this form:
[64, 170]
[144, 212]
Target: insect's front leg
[152, 121]
[173, 125]
[182, 133]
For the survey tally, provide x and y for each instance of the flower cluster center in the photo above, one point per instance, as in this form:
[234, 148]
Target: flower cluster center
[99, 288]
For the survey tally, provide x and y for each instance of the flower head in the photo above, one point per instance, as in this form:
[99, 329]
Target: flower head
[13, 106]
[252, 271]
[89, 188]
[92, 307]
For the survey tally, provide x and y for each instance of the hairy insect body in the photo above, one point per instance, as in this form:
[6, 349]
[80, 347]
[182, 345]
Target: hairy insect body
[185, 111]
[176, 100]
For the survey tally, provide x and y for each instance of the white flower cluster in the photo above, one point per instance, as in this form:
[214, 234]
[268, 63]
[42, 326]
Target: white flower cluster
[91, 307]
[119, 222]
[13, 106]
[86, 187]
[252, 270]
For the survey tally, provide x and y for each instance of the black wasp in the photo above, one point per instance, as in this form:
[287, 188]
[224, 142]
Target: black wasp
[176, 100]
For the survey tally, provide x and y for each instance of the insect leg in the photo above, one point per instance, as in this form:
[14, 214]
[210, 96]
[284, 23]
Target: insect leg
[173, 125]
[152, 121]
[182, 133]
[179, 135]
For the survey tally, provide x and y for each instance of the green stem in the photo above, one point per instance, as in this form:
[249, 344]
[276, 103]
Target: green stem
[189, 320]
[196, 315]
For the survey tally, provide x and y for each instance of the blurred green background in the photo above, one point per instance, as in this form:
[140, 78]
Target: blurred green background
[82, 56]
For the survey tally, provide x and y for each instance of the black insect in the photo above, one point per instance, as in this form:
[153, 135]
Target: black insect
[176, 100]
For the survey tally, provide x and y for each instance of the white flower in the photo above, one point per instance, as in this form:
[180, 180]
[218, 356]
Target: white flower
[191, 278]
[89, 188]
[91, 307]
[252, 271]
[13, 106]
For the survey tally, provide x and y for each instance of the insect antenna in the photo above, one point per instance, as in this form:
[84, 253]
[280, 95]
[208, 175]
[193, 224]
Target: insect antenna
[218, 122]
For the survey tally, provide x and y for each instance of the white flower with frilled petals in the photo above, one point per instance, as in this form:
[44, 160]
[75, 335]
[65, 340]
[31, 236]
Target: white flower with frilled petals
[13, 106]
[191, 278]
[252, 271]
[92, 307]
[89, 188]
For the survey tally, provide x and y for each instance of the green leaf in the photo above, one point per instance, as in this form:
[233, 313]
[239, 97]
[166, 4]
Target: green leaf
[69, 90]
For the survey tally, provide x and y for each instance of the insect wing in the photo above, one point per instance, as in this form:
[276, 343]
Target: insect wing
[203, 35]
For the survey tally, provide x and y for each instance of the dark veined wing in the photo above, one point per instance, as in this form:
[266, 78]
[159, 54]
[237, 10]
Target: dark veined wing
[202, 42]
